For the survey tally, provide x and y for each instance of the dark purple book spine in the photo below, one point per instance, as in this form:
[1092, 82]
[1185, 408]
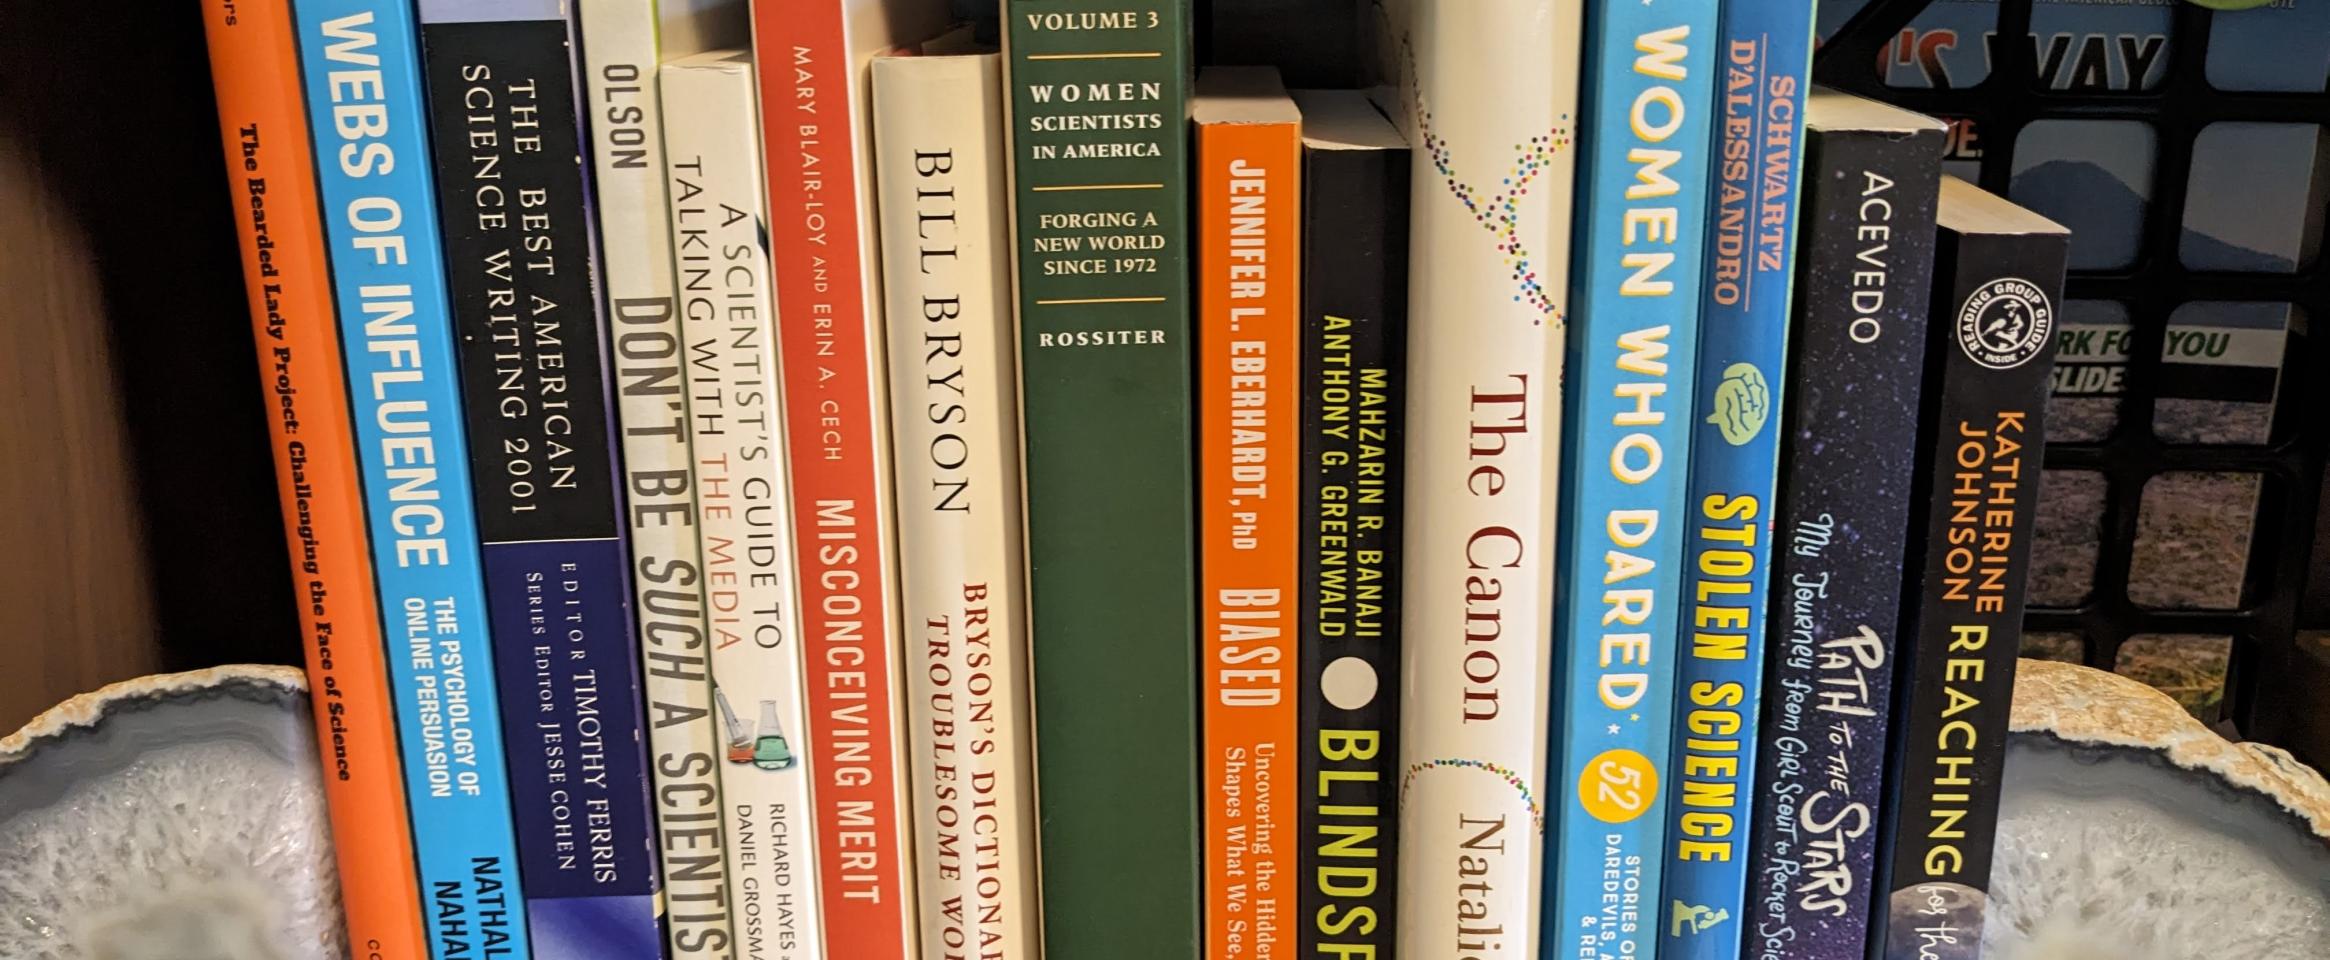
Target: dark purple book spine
[520, 251]
[1856, 360]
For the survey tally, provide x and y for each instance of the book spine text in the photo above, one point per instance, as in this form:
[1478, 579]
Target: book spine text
[255, 67]
[1488, 96]
[1354, 380]
[1248, 181]
[1764, 54]
[361, 59]
[836, 436]
[1099, 139]
[1649, 78]
[519, 258]
[946, 257]
[742, 511]
[1848, 441]
[659, 478]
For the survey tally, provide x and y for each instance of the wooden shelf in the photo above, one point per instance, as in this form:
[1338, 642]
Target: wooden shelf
[137, 503]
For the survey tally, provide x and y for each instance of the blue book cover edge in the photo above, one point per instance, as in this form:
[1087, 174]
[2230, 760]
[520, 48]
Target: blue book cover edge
[361, 63]
[1625, 456]
[1764, 60]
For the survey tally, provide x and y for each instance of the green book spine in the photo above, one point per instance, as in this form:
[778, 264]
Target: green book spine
[1100, 163]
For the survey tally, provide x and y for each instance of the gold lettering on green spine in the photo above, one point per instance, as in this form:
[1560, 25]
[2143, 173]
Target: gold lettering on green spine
[1100, 165]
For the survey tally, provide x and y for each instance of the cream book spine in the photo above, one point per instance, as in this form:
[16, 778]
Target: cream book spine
[625, 118]
[718, 218]
[946, 260]
[1488, 90]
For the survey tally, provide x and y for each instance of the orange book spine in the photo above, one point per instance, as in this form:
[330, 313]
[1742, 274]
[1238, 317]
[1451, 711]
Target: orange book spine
[278, 221]
[1249, 333]
[830, 351]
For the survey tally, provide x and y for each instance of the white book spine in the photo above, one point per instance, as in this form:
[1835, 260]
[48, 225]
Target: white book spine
[946, 254]
[718, 216]
[626, 129]
[1489, 88]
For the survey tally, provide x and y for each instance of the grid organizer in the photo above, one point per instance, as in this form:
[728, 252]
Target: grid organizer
[2274, 689]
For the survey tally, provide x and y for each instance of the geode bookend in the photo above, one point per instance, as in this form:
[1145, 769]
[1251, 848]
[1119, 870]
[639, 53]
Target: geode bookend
[2129, 831]
[177, 817]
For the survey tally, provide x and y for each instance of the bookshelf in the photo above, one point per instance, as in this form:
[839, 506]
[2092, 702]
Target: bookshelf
[137, 503]
[141, 510]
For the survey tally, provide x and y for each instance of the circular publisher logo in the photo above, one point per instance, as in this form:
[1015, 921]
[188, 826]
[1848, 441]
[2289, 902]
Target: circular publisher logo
[2005, 323]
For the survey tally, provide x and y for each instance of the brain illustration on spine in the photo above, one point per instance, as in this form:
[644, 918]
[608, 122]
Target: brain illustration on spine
[1743, 401]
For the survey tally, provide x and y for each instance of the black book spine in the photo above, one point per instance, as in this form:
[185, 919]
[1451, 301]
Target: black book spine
[1355, 297]
[1856, 361]
[520, 260]
[1989, 359]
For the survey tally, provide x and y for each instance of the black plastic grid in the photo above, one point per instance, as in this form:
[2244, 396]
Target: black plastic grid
[2267, 696]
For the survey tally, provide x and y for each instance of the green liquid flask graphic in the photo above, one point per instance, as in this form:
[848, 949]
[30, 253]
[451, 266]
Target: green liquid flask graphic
[769, 751]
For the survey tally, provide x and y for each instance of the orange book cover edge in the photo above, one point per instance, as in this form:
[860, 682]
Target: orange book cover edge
[254, 63]
[835, 418]
[1248, 488]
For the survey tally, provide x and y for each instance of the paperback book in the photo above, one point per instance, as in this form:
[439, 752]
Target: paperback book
[519, 257]
[1488, 97]
[1248, 161]
[270, 171]
[1632, 359]
[1998, 272]
[1848, 446]
[1352, 404]
[815, 119]
[1764, 53]
[1100, 218]
[362, 64]
[743, 511]
[940, 158]
[659, 477]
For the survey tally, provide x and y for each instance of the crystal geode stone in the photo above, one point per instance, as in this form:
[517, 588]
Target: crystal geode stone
[2129, 831]
[177, 817]
[182, 817]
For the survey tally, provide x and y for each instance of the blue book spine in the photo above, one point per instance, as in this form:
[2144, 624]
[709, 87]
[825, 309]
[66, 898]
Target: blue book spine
[361, 63]
[520, 262]
[1633, 344]
[1763, 55]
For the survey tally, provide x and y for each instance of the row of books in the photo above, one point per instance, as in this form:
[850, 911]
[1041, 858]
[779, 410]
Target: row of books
[784, 512]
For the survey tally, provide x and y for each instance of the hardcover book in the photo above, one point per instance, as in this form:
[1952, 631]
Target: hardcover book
[1098, 114]
[1765, 53]
[815, 119]
[940, 159]
[659, 477]
[270, 171]
[1632, 359]
[1347, 605]
[743, 510]
[1488, 96]
[1998, 272]
[362, 63]
[1848, 440]
[1248, 160]
[519, 257]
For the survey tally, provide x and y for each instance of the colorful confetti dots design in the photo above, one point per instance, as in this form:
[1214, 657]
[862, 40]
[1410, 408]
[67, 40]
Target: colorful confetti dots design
[1511, 778]
[1499, 212]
